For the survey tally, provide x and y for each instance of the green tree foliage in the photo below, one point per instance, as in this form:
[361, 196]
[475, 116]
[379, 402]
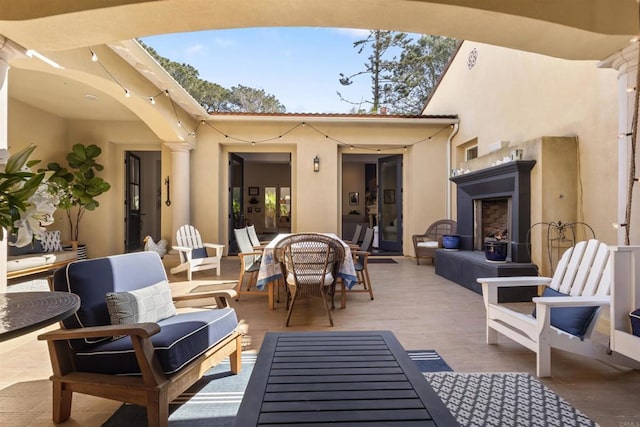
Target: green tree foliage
[403, 72]
[418, 70]
[381, 45]
[214, 97]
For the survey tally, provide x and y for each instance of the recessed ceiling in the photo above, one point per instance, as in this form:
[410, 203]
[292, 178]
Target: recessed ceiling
[64, 98]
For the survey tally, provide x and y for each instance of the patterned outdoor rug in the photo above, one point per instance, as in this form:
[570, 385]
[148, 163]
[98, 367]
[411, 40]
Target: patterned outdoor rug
[509, 399]
[215, 398]
[474, 399]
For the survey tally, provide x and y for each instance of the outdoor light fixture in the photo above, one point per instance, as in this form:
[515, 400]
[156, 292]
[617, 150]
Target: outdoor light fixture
[316, 164]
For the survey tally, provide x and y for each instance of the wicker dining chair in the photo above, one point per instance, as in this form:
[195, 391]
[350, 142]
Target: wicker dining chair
[311, 262]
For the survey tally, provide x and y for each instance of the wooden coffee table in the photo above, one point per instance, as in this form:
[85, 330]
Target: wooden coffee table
[336, 378]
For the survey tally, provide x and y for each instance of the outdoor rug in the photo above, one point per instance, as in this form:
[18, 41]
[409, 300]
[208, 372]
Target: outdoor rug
[505, 399]
[214, 400]
[479, 399]
[374, 260]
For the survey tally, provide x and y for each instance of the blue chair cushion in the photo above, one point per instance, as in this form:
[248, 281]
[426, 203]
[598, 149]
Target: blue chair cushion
[92, 279]
[573, 320]
[181, 339]
[199, 253]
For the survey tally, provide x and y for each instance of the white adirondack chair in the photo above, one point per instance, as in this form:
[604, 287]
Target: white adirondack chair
[583, 273]
[193, 252]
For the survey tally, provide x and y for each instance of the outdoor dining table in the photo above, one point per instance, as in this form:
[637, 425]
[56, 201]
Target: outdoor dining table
[271, 270]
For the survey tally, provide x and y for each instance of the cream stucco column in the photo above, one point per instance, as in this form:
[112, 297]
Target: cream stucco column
[626, 62]
[180, 185]
[8, 50]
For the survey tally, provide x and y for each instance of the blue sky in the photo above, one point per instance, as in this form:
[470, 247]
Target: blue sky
[299, 66]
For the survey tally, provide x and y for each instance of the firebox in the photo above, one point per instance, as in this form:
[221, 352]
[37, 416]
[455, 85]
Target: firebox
[492, 218]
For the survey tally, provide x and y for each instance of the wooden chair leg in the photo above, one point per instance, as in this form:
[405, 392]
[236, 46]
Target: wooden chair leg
[293, 300]
[367, 283]
[157, 408]
[326, 307]
[239, 286]
[236, 357]
[61, 402]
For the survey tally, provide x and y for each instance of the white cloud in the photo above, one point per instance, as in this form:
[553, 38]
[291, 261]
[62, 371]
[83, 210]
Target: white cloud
[193, 50]
[224, 43]
[352, 32]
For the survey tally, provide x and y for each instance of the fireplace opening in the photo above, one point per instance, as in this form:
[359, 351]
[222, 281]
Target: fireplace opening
[492, 217]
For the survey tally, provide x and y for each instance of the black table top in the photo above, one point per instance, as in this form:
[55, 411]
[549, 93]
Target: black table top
[338, 378]
[24, 312]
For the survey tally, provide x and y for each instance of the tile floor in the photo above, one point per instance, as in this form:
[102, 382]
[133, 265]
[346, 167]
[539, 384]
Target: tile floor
[423, 310]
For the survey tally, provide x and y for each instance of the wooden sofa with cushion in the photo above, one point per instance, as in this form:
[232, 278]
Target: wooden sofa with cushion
[41, 256]
[130, 340]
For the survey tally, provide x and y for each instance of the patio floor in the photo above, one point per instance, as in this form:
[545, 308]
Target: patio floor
[423, 310]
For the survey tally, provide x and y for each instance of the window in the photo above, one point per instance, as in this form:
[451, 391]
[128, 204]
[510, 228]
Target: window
[471, 153]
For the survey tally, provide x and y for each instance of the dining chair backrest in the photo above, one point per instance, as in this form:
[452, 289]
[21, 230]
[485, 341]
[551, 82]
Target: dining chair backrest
[244, 244]
[367, 240]
[253, 236]
[356, 234]
[310, 256]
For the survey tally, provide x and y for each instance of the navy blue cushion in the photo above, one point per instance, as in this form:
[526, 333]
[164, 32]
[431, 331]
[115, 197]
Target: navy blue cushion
[34, 247]
[181, 339]
[199, 253]
[92, 279]
[573, 320]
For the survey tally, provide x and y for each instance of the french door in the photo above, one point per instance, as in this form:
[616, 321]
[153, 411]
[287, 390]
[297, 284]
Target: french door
[390, 203]
[236, 199]
[133, 202]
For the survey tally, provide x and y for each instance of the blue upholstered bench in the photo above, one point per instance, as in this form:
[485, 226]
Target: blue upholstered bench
[129, 342]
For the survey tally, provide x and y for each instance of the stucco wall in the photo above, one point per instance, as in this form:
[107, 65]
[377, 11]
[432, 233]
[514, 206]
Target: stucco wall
[317, 197]
[515, 96]
[103, 229]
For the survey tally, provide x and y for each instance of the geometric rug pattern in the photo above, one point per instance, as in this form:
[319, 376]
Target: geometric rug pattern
[503, 399]
[474, 399]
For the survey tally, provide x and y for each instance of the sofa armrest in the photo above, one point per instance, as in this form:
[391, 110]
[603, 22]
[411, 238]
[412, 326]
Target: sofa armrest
[144, 330]
[203, 299]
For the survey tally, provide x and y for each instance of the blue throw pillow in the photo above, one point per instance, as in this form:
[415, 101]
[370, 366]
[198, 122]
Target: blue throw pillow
[199, 253]
[573, 320]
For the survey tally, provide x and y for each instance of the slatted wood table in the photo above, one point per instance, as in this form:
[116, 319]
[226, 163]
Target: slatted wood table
[362, 378]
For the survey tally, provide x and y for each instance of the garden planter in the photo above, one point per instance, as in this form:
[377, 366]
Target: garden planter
[496, 251]
[451, 241]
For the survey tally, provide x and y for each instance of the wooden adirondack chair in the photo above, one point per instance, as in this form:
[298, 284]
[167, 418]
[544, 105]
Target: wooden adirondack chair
[193, 252]
[565, 314]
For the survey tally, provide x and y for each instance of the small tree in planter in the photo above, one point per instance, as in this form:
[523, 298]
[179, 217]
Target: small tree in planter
[78, 186]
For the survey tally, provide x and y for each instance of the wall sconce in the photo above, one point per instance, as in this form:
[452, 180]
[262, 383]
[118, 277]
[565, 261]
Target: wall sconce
[316, 164]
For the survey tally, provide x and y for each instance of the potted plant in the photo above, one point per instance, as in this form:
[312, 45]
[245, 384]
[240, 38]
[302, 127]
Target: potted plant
[496, 246]
[27, 201]
[78, 185]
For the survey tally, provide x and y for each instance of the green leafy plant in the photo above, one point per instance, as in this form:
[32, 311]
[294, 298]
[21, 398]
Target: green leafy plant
[79, 185]
[26, 202]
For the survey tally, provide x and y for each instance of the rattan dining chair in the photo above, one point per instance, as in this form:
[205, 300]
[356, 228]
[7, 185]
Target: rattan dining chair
[311, 261]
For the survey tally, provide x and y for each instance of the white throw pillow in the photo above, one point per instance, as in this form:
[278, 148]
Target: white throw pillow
[148, 304]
